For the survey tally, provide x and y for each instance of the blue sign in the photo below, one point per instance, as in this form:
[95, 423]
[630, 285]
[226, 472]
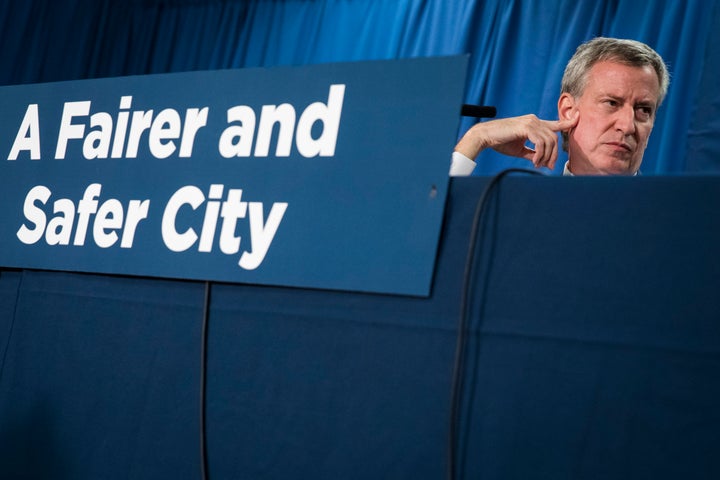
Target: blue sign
[329, 176]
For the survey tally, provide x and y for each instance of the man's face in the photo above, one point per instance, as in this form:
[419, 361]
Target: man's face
[616, 115]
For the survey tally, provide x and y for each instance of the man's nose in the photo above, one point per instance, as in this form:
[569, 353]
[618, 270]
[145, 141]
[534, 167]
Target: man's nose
[625, 120]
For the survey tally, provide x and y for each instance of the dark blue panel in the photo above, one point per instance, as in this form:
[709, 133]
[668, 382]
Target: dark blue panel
[597, 352]
[9, 284]
[593, 354]
[100, 379]
[597, 258]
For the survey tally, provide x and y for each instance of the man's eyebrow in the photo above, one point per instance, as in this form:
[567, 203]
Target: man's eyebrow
[616, 97]
[620, 98]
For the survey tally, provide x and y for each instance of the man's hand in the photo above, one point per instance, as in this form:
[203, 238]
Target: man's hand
[509, 136]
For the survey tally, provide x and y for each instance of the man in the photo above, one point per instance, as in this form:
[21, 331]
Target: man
[610, 93]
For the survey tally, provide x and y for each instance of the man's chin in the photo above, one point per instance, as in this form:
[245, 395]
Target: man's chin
[613, 166]
[617, 167]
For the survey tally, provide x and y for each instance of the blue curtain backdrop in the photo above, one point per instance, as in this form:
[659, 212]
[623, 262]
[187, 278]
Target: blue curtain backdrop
[518, 49]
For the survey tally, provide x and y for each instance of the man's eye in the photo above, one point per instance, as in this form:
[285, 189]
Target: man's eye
[644, 112]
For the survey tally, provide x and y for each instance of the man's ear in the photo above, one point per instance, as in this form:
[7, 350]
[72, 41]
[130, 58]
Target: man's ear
[566, 110]
[566, 106]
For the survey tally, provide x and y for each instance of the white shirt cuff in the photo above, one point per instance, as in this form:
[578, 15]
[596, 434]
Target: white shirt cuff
[461, 166]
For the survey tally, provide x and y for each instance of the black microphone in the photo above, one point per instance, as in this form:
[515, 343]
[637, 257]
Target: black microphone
[478, 111]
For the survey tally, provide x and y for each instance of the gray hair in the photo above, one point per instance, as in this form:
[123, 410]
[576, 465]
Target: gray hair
[626, 52]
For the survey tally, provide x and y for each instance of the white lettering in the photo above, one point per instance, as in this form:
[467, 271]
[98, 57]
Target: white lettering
[141, 121]
[237, 139]
[262, 232]
[121, 127]
[34, 214]
[107, 222]
[28, 135]
[68, 130]
[137, 211]
[212, 209]
[87, 206]
[97, 142]
[166, 126]
[232, 210]
[284, 116]
[329, 116]
[179, 242]
[118, 139]
[195, 119]
[59, 227]
[229, 146]
[109, 217]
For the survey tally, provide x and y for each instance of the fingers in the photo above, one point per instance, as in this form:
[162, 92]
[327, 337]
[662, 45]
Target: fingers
[510, 136]
[546, 141]
[546, 148]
